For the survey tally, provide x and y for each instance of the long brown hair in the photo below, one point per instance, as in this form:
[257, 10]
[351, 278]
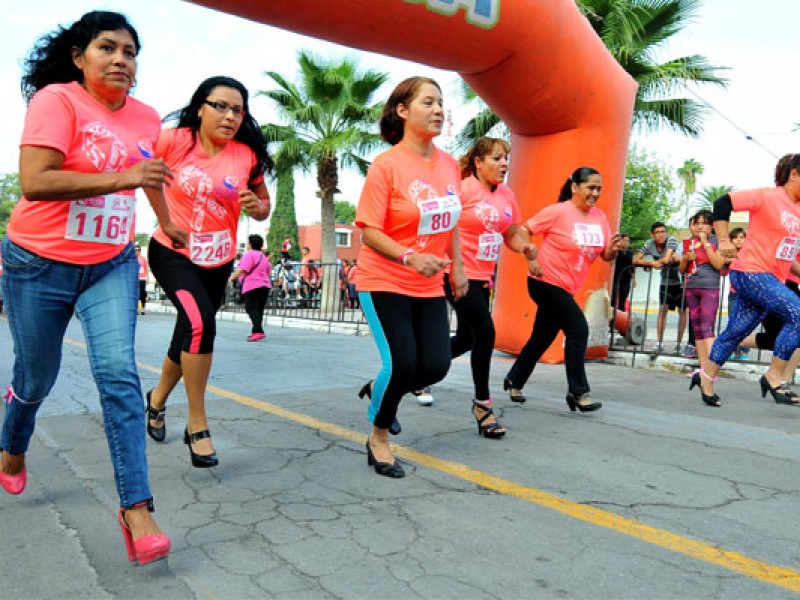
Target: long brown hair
[483, 147]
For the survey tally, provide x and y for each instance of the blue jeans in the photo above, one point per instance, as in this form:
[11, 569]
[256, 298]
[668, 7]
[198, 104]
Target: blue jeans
[41, 296]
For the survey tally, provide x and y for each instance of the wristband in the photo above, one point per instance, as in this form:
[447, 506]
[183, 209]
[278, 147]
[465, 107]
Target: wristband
[403, 258]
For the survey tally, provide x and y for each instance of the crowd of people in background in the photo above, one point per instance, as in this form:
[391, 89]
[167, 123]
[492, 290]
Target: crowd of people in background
[433, 230]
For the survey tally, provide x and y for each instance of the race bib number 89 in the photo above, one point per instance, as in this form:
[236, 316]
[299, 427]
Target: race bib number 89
[101, 219]
[788, 249]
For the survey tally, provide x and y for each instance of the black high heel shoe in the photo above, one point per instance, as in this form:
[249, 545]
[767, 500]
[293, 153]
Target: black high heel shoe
[582, 402]
[386, 469]
[713, 399]
[201, 461]
[695, 380]
[366, 392]
[158, 434]
[508, 386]
[494, 430]
[781, 394]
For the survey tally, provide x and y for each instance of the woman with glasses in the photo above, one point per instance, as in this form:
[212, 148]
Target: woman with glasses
[86, 146]
[218, 157]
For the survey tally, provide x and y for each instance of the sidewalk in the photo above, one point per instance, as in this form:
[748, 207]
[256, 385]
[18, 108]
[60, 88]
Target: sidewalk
[293, 511]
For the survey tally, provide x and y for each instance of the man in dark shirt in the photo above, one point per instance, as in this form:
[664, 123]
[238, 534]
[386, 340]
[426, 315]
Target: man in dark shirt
[623, 273]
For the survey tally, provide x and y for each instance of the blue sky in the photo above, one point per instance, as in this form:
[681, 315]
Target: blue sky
[184, 43]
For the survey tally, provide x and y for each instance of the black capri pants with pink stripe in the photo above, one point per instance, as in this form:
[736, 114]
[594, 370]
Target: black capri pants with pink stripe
[197, 294]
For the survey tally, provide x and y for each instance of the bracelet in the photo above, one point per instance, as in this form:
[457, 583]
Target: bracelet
[403, 258]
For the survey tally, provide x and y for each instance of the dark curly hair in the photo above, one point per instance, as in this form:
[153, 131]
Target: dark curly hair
[50, 60]
[249, 132]
[482, 148]
[784, 168]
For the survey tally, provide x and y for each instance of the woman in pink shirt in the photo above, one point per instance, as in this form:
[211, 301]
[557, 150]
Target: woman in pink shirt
[489, 217]
[758, 274]
[218, 155]
[575, 233]
[254, 271]
[86, 146]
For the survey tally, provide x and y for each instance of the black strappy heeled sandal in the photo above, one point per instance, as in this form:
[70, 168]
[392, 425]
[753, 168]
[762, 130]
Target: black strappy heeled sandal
[509, 387]
[200, 461]
[366, 392]
[159, 434]
[492, 431]
[782, 394]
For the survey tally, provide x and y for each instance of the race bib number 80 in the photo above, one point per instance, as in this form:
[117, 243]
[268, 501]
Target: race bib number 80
[101, 219]
[438, 215]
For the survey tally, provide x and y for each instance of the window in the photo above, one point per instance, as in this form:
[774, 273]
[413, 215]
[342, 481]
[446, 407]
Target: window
[343, 238]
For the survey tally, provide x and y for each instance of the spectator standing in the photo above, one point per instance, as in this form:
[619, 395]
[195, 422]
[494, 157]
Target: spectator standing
[624, 274]
[254, 272]
[663, 254]
[144, 278]
[84, 137]
[219, 156]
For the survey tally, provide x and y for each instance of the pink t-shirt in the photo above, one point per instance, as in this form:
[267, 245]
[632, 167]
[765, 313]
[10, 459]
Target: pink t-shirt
[572, 240]
[773, 235]
[93, 139]
[256, 269]
[415, 202]
[204, 196]
[485, 218]
[142, 267]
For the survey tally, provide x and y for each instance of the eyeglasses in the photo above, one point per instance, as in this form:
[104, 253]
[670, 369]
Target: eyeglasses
[223, 108]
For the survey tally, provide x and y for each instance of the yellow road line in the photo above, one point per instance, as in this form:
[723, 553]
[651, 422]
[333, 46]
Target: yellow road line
[779, 576]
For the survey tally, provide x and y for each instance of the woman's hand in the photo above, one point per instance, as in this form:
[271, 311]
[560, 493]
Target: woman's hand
[529, 251]
[152, 173]
[179, 237]
[690, 256]
[727, 249]
[254, 206]
[427, 264]
[459, 283]
[535, 268]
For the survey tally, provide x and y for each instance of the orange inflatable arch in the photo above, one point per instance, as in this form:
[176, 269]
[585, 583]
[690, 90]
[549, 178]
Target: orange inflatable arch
[541, 68]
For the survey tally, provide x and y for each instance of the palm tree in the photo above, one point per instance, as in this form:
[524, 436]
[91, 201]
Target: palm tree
[710, 194]
[331, 122]
[688, 175]
[633, 31]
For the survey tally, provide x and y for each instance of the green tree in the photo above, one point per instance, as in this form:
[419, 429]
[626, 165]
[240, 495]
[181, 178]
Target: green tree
[709, 194]
[10, 192]
[331, 125]
[143, 239]
[284, 219]
[345, 211]
[634, 31]
[688, 175]
[648, 194]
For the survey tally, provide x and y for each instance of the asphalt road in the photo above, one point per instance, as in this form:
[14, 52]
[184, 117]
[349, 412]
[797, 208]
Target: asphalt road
[654, 496]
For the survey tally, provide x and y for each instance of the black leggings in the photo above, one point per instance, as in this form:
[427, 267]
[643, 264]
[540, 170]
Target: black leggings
[143, 292]
[413, 338]
[556, 311]
[196, 293]
[475, 332]
[254, 302]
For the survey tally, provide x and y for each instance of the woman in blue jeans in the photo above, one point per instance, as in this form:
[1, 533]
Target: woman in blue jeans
[85, 147]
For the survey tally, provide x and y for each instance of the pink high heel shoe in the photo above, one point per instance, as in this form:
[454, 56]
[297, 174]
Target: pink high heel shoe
[14, 484]
[147, 548]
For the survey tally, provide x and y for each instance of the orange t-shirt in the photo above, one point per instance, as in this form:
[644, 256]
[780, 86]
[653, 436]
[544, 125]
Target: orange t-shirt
[773, 235]
[93, 139]
[572, 240]
[142, 267]
[415, 202]
[485, 218]
[204, 196]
